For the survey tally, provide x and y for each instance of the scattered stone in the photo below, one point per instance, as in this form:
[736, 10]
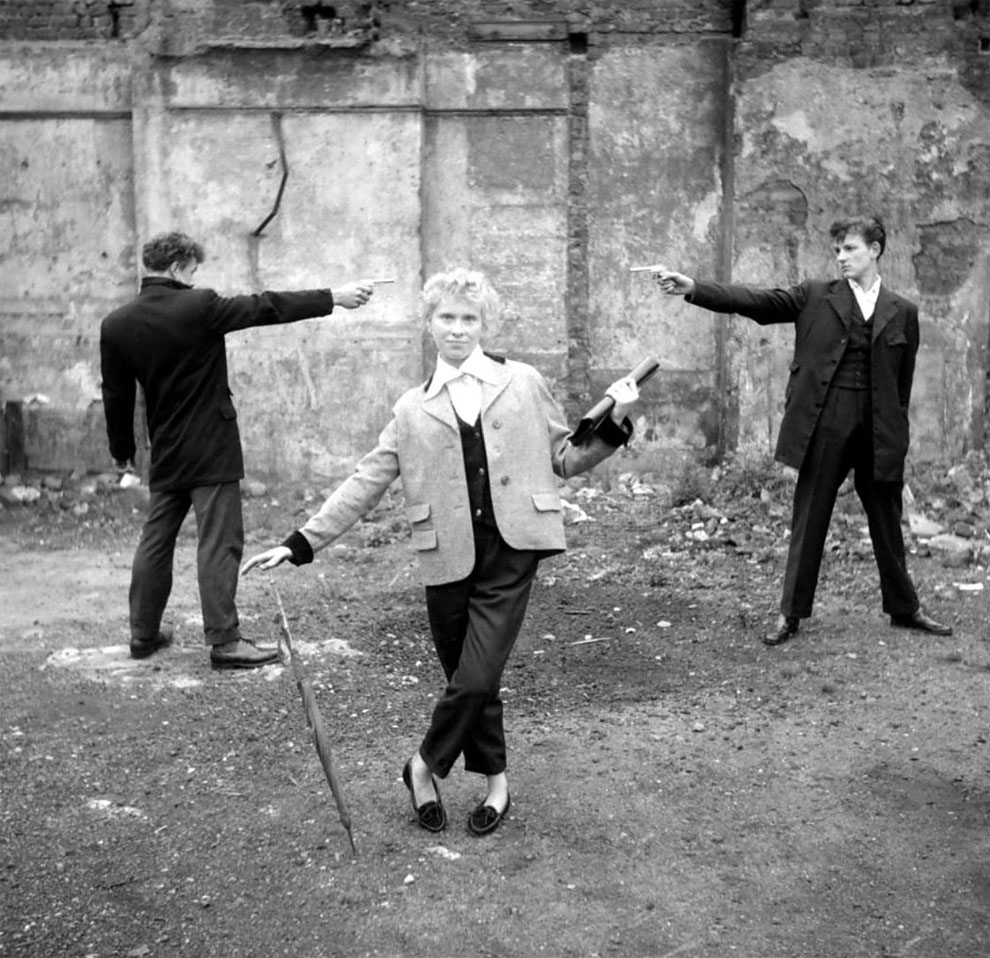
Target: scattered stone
[8, 497]
[923, 527]
[956, 560]
[947, 542]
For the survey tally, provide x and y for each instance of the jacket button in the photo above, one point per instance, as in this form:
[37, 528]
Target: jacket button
[497, 424]
[477, 513]
[505, 480]
[481, 470]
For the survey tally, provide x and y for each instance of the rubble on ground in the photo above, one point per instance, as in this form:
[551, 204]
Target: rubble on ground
[946, 508]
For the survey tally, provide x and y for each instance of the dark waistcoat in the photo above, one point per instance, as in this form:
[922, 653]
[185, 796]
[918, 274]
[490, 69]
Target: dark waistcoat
[853, 371]
[476, 469]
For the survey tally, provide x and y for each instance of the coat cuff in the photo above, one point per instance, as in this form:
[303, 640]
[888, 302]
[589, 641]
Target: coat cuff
[302, 551]
[610, 432]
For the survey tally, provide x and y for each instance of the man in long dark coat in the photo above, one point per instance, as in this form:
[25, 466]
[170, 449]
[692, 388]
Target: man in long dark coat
[170, 340]
[845, 408]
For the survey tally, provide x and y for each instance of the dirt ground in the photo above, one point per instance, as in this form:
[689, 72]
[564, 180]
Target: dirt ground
[677, 787]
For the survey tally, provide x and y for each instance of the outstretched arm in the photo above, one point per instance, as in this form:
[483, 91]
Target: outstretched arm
[353, 498]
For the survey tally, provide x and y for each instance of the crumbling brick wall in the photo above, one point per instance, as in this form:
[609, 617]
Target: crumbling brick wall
[70, 19]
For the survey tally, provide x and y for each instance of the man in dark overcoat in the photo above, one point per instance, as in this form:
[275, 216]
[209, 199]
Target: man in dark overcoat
[170, 341]
[845, 408]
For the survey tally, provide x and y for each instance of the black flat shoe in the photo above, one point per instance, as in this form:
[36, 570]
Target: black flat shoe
[484, 819]
[431, 815]
[785, 629]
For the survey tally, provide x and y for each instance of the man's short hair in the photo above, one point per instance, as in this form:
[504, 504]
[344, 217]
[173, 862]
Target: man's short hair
[464, 284]
[870, 228]
[161, 251]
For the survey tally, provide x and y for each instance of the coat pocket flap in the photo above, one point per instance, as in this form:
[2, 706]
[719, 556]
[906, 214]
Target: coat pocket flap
[418, 512]
[546, 501]
[795, 366]
[424, 540]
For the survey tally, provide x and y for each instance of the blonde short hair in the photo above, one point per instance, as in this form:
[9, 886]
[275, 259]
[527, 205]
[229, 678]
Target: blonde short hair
[463, 283]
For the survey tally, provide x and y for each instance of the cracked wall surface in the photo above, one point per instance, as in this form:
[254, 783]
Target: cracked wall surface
[553, 144]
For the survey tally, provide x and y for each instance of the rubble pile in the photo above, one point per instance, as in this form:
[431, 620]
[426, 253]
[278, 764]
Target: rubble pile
[946, 508]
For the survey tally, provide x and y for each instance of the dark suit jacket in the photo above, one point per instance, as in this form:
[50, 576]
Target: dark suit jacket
[170, 339]
[821, 313]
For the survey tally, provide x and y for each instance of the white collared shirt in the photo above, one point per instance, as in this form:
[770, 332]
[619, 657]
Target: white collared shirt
[464, 383]
[867, 298]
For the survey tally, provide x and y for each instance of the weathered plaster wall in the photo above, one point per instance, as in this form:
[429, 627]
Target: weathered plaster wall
[817, 139]
[881, 106]
[495, 187]
[310, 394]
[67, 241]
[655, 191]
[552, 143]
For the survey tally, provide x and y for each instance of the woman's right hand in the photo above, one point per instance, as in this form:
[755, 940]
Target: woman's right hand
[268, 559]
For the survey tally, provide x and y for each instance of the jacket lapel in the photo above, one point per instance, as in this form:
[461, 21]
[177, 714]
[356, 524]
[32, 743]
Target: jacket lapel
[440, 407]
[840, 298]
[491, 391]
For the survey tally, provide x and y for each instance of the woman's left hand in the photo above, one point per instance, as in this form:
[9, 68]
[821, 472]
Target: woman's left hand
[625, 392]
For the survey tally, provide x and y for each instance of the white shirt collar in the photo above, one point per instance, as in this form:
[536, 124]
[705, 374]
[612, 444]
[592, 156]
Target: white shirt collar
[477, 364]
[872, 292]
[867, 298]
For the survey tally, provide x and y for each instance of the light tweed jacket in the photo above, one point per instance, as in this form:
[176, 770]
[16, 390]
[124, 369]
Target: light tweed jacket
[527, 444]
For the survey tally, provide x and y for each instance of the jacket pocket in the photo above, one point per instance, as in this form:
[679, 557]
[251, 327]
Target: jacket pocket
[418, 512]
[895, 337]
[423, 539]
[546, 501]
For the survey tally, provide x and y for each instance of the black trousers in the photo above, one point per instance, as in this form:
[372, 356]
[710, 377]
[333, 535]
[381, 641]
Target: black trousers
[474, 623]
[220, 532]
[842, 441]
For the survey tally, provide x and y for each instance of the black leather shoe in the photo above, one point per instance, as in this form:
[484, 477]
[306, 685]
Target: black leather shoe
[484, 819]
[786, 628]
[920, 621]
[142, 648]
[242, 654]
[431, 815]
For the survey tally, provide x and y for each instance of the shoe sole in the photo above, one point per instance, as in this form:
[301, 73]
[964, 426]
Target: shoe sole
[242, 665]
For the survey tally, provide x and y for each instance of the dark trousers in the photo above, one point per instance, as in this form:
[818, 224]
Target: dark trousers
[220, 532]
[844, 441]
[475, 623]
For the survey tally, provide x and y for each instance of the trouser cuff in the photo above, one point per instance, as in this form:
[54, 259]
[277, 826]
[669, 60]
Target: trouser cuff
[219, 638]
